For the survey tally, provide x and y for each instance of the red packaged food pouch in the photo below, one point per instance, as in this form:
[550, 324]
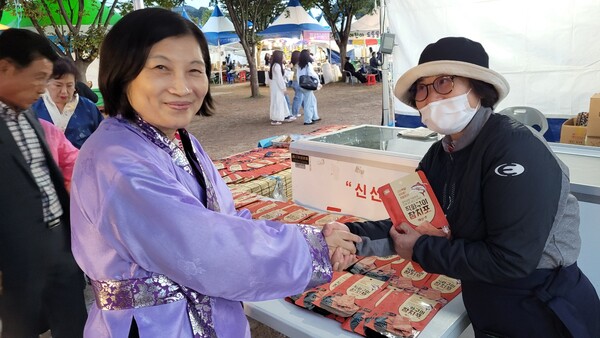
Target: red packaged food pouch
[308, 298]
[295, 214]
[321, 219]
[357, 321]
[347, 298]
[402, 314]
[446, 287]
[415, 273]
[411, 200]
[369, 263]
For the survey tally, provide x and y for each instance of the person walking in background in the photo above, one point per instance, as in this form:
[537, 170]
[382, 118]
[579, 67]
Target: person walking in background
[279, 110]
[309, 100]
[154, 225]
[72, 113]
[267, 59]
[42, 287]
[298, 95]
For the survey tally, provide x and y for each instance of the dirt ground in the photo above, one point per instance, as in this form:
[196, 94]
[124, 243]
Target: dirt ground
[241, 121]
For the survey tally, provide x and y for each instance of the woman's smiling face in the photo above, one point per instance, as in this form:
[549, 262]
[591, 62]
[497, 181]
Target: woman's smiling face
[170, 89]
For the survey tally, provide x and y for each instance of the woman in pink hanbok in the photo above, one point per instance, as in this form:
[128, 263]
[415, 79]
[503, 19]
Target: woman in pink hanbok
[153, 224]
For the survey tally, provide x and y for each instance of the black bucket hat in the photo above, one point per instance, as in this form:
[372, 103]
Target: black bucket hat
[452, 56]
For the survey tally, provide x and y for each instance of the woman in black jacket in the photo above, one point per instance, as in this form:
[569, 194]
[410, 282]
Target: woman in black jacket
[514, 224]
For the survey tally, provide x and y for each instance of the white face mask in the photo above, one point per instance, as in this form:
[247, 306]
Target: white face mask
[448, 116]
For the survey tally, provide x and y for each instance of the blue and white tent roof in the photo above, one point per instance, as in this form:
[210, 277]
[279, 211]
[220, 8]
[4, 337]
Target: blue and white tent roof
[323, 22]
[219, 30]
[291, 23]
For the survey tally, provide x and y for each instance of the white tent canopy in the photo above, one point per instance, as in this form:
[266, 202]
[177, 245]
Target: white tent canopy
[367, 23]
[547, 50]
[291, 23]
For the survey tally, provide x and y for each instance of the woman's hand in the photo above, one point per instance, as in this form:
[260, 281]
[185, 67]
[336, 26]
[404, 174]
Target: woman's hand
[341, 262]
[341, 244]
[404, 240]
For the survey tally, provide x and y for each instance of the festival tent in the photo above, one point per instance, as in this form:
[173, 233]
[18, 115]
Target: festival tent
[295, 22]
[219, 31]
[323, 22]
[365, 31]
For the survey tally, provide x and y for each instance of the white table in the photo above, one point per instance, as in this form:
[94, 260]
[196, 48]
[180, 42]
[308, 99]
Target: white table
[296, 322]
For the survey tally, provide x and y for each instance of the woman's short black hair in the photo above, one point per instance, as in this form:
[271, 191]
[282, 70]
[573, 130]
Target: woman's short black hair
[487, 93]
[125, 50]
[63, 66]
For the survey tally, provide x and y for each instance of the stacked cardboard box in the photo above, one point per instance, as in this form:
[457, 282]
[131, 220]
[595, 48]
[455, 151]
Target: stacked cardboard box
[593, 127]
[572, 133]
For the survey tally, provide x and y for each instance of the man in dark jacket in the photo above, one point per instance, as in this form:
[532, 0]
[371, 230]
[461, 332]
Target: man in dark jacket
[350, 68]
[42, 287]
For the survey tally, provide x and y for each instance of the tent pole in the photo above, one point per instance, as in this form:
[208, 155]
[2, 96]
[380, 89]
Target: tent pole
[387, 104]
[220, 62]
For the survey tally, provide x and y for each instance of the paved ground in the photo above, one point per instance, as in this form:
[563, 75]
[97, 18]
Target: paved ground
[240, 121]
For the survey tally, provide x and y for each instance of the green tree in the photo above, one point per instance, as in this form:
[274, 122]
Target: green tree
[2, 5]
[261, 13]
[78, 25]
[206, 13]
[338, 14]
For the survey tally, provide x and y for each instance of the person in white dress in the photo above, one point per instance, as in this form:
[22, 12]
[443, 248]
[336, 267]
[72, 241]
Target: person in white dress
[279, 111]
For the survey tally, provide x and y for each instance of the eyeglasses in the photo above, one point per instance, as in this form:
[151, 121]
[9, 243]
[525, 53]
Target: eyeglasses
[442, 85]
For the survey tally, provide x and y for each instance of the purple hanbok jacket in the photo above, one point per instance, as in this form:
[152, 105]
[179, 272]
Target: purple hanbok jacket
[135, 213]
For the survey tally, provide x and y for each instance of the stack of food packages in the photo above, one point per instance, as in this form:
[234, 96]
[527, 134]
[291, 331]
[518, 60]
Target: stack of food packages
[381, 296]
[284, 211]
[386, 296]
[253, 164]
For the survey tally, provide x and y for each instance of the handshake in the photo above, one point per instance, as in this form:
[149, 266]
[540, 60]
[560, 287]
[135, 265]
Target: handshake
[341, 243]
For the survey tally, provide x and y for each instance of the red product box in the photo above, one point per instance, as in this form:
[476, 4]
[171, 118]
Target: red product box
[411, 200]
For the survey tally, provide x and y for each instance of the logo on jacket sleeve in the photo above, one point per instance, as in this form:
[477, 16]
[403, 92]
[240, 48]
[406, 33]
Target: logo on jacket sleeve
[509, 169]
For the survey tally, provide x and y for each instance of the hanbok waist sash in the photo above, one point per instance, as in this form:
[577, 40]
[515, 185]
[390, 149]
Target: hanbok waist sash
[156, 290]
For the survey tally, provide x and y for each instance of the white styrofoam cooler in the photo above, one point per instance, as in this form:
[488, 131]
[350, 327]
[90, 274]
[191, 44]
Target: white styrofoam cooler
[340, 172]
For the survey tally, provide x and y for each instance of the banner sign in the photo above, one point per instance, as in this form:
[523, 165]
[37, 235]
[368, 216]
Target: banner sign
[315, 35]
[365, 35]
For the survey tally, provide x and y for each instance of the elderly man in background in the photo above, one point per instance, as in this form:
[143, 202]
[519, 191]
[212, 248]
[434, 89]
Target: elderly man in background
[42, 287]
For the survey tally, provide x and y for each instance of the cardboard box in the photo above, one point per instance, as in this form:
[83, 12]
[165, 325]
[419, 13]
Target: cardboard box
[592, 141]
[570, 133]
[593, 127]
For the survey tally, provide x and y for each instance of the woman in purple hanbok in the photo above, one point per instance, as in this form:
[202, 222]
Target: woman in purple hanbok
[153, 224]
